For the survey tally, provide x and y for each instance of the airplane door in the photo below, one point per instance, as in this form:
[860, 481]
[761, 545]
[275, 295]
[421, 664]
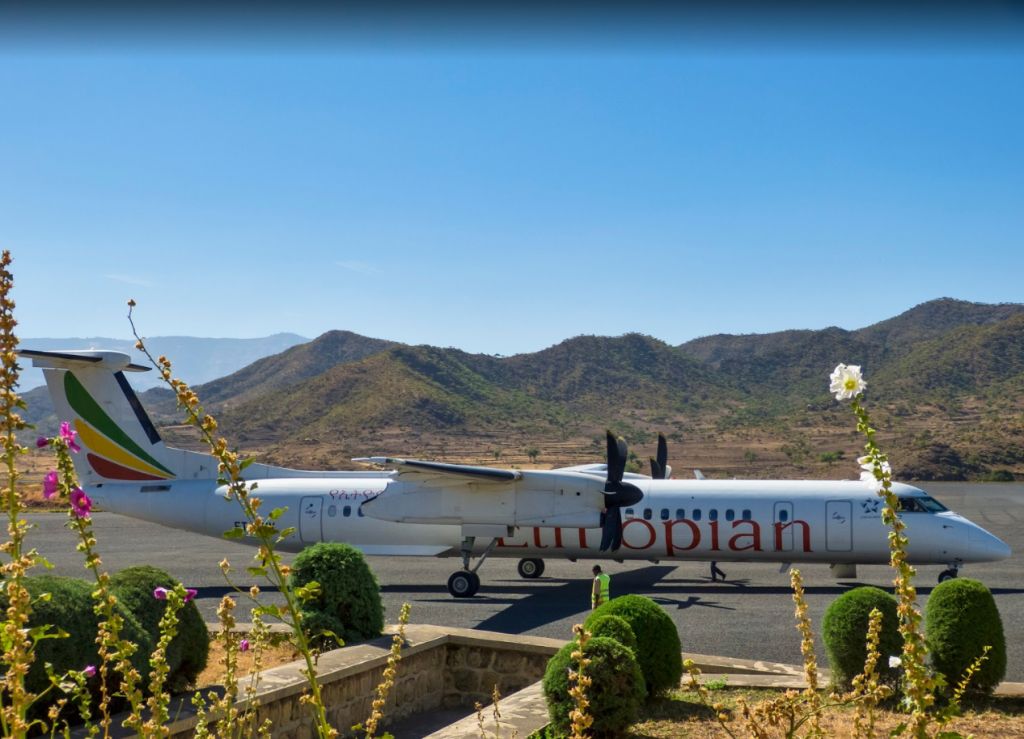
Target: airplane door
[782, 515]
[839, 525]
[309, 519]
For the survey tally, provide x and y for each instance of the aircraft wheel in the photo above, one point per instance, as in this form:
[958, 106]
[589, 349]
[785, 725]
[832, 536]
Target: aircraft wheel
[530, 568]
[463, 584]
[947, 575]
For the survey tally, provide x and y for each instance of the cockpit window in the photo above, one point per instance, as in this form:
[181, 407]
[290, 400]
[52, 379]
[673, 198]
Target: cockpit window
[920, 504]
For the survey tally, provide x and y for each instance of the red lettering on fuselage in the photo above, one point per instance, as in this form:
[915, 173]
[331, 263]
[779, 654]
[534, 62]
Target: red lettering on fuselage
[652, 535]
[754, 535]
[780, 527]
[670, 546]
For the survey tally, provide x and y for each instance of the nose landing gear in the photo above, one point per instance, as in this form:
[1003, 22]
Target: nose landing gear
[949, 574]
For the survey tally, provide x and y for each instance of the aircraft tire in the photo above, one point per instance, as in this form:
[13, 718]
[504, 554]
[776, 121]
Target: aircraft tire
[947, 575]
[530, 569]
[463, 584]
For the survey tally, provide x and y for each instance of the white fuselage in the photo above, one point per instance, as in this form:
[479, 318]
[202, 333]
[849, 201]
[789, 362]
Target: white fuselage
[770, 521]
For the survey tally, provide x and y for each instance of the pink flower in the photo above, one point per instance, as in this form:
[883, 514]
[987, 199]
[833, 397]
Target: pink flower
[68, 434]
[243, 645]
[81, 503]
[50, 484]
[42, 441]
[160, 593]
[89, 671]
[190, 594]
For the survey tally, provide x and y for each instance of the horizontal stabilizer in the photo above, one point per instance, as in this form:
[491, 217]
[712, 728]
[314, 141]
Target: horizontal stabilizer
[109, 360]
[433, 469]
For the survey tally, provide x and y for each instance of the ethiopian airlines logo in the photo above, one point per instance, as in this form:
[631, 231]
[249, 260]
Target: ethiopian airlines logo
[112, 453]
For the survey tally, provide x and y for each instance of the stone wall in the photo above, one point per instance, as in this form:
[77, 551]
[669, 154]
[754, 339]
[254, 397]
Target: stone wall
[441, 668]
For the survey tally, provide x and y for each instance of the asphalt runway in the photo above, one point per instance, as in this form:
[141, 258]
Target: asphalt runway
[749, 616]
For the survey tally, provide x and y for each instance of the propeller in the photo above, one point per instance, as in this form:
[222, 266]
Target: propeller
[659, 465]
[616, 494]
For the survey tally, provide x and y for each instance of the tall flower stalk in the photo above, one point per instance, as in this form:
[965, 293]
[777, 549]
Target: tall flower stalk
[847, 383]
[15, 699]
[261, 527]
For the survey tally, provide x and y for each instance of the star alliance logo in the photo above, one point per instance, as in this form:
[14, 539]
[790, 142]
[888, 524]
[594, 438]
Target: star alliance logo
[870, 505]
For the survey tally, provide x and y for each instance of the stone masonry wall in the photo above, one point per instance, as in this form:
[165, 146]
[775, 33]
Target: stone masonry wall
[440, 668]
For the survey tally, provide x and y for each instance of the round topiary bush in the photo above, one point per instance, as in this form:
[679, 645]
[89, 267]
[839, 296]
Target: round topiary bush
[844, 629]
[614, 627]
[961, 618]
[188, 651]
[658, 649]
[70, 608]
[349, 603]
[615, 694]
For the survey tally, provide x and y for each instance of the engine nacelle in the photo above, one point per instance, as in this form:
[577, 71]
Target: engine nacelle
[538, 499]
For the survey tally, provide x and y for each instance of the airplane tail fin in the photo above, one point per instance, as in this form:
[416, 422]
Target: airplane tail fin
[119, 442]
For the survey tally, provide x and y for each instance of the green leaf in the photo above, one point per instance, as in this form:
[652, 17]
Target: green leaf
[290, 531]
[277, 513]
[235, 533]
[257, 571]
[246, 462]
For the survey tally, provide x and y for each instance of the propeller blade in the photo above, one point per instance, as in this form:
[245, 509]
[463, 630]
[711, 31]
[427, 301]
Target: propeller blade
[617, 452]
[611, 529]
[662, 458]
[657, 473]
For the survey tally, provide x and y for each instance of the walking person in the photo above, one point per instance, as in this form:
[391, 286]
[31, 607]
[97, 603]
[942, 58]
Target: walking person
[716, 572]
[599, 593]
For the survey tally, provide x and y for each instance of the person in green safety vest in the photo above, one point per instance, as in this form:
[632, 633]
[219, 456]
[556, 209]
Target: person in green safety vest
[599, 594]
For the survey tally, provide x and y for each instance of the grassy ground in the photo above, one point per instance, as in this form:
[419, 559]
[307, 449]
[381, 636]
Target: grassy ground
[683, 715]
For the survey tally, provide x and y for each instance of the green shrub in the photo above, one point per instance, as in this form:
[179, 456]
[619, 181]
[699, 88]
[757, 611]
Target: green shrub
[844, 629]
[658, 649]
[615, 694]
[614, 627]
[188, 651]
[961, 618]
[70, 607]
[349, 603]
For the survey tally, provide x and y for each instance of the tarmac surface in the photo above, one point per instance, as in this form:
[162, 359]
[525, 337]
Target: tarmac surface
[750, 616]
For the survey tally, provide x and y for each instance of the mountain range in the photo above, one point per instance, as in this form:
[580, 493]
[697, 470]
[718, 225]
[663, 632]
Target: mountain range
[944, 389]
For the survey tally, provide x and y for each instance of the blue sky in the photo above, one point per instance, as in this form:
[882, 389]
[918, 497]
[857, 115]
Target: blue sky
[500, 198]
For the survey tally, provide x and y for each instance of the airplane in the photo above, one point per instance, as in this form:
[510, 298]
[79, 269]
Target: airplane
[435, 509]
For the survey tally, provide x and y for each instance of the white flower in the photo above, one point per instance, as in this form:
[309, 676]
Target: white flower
[873, 482]
[894, 662]
[846, 382]
[865, 463]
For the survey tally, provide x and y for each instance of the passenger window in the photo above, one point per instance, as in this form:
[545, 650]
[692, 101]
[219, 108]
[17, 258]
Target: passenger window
[359, 511]
[346, 511]
[648, 514]
[746, 514]
[664, 514]
[713, 514]
[730, 514]
[332, 510]
[696, 514]
[680, 514]
[630, 513]
[783, 516]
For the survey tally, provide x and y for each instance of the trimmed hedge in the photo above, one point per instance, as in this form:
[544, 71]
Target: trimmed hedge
[615, 694]
[961, 618]
[658, 649]
[614, 627]
[844, 629]
[70, 607]
[188, 651]
[349, 603]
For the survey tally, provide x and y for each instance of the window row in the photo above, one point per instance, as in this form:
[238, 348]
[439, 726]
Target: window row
[695, 514]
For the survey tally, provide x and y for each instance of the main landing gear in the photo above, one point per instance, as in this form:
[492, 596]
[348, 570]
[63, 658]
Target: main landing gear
[465, 582]
[949, 574]
[530, 568]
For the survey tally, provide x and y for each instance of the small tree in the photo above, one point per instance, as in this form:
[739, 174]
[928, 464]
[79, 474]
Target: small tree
[961, 619]
[348, 603]
[844, 630]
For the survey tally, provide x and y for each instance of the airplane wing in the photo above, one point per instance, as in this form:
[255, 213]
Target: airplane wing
[440, 471]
